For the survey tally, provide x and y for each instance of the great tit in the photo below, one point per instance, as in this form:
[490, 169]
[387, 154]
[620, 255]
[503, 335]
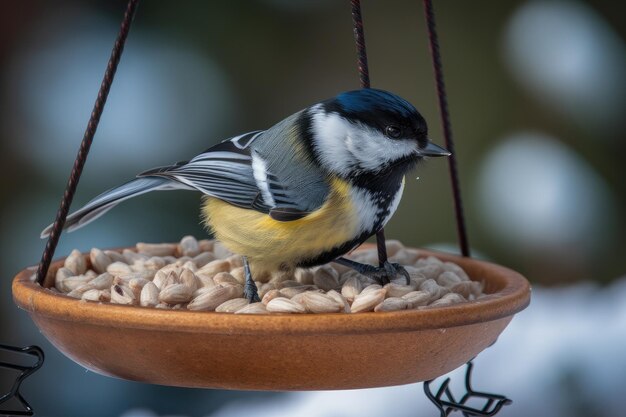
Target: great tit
[302, 193]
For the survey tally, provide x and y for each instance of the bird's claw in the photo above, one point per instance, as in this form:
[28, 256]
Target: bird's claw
[250, 292]
[384, 274]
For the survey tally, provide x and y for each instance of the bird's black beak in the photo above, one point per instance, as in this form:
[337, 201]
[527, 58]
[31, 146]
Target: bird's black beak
[432, 149]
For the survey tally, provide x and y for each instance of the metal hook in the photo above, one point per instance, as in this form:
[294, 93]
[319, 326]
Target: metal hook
[25, 372]
[493, 402]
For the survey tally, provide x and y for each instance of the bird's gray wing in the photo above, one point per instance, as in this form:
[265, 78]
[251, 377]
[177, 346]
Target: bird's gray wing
[295, 180]
[238, 172]
[223, 171]
[109, 199]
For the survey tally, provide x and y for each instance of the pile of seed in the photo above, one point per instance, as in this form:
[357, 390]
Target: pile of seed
[204, 275]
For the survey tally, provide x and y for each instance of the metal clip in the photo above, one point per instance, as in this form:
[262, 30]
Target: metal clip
[25, 372]
[493, 402]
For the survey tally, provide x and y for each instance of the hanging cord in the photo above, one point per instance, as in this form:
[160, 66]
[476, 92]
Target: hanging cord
[364, 77]
[493, 403]
[359, 38]
[85, 145]
[446, 126]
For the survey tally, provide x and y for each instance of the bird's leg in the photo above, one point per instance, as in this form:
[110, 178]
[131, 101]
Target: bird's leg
[382, 274]
[249, 289]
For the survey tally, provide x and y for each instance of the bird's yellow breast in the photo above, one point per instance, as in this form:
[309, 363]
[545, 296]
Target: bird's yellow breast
[270, 244]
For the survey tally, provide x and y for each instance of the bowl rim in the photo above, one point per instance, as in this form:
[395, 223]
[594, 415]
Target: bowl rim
[512, 298]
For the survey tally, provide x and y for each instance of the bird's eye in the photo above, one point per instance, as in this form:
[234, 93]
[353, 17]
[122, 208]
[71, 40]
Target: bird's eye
[393, 131]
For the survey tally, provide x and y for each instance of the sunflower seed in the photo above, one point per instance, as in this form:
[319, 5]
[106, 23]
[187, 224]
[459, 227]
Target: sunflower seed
[102, 281]
[206, 245]
[270, 295]
[405, 256]
[213, 297]
[175, 293]
[136, 285]
[203, 258]
[392, 304]
[225, 277]
[364, 279]
[372, 287]
[149, 296]
[99, 260]
[340, 300]
[213, 267]
[235, 261]
[254, 308]
[97, 295]
[121, 294]
[431, 287]
[417, 298]
[154, 263]
[398, 290]
[230, 306]
[190, 265]
[367, 301]
[76, 262]
[71, 283]
[351, 288]
[315, 302]
[119, 268]
[289, 292]
[326, 278]
[189, 246]
[264, 288]
[79, 291]
[61, 275]
[188, 278]
[156, 249]
[284, 305]
[239, 274]
[206, 282]
[448, 279]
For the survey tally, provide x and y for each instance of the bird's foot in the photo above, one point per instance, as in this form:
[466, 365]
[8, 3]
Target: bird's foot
[251, 293]
[381, 274]
[250, 290]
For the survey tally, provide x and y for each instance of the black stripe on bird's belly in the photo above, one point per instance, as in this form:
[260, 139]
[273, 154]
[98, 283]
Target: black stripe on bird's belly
[334, 253]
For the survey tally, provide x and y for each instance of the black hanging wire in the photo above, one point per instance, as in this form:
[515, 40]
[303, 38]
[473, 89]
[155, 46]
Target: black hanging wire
[364, 77]
[429, 12]
[494, 402]
[85, 145]
[23, 373]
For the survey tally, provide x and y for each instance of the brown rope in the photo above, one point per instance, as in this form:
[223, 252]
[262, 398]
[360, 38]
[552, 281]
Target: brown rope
[446, 126]
[359, 38]
[364, 77]
[85, 145]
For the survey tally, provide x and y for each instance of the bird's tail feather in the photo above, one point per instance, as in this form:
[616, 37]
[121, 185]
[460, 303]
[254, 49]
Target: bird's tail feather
[109, 199]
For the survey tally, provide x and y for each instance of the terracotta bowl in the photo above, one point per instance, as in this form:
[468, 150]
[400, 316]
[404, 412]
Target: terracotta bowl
[275, 352]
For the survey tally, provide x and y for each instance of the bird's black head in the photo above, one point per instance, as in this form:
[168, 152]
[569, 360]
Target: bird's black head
[383, 111]
[369, 131]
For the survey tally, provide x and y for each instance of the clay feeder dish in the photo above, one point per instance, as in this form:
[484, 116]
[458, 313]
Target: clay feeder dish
[278, 351]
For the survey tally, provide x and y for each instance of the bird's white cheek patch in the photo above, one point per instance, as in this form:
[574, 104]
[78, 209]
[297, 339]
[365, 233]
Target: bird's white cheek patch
[372, 149]
[330, 141]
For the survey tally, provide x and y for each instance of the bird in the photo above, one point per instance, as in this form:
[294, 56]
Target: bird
[304, 192]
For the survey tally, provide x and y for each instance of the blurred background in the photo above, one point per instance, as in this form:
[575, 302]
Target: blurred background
[537, 94]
